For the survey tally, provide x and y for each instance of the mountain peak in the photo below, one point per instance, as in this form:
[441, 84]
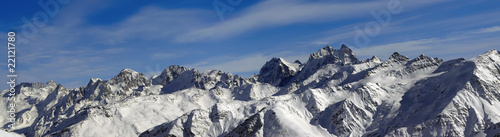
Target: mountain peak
[93, 80]
[491, 52]
[174, 67]
[323, 51]
[168, 75]
[275, 59]
[344, 55]
[328, 48]
[51, 83]
[126, 73]
[395, 54]
[396, 57]
[129, 78]
[490, 55]
[421, 57]
[344, 47]
[277, 71]
[297, 62]
[129, 71]
[375, 59]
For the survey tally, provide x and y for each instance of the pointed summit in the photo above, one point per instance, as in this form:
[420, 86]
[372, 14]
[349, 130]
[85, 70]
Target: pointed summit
[129, 78]
[168, 75]
[328, 48]
[422, 57]
[488, 56]
[323, 52]
[126, 73]
[396, 57]
[491, 52]
[344, 47]
[127, 70]
[422, 62]
[94, 80]
[346, 50]
[375, 59]
[343, 56]
[277, 72]
[275, 59]
[327, 55]
[51, 83]
[297, 62]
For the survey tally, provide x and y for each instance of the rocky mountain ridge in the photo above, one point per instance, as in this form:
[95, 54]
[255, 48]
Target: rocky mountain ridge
[332, 94]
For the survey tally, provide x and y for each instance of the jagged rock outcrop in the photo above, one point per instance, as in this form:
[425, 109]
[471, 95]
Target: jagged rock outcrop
[168, 75]
[278, 72]
[128, 78]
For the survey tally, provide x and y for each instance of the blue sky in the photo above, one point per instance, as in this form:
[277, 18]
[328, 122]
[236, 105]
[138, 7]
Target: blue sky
[96, 39]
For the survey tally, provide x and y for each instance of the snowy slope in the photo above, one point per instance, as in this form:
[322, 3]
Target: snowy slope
[4, 133]
[332, 94]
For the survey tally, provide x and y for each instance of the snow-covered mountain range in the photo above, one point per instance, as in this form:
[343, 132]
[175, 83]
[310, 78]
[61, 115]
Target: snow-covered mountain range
[332, 94]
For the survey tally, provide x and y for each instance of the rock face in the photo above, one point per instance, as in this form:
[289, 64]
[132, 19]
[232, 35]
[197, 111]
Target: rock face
[332, 94]
[168, 75]
[128, 78]
[278, 72]
[328, 55]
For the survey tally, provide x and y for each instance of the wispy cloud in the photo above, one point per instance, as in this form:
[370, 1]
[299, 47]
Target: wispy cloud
[154, 23]
[279, 12]
[414, 35]
[467, 46]
[70, 48]
[283, 12]
[488, 30]
[73, 47]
